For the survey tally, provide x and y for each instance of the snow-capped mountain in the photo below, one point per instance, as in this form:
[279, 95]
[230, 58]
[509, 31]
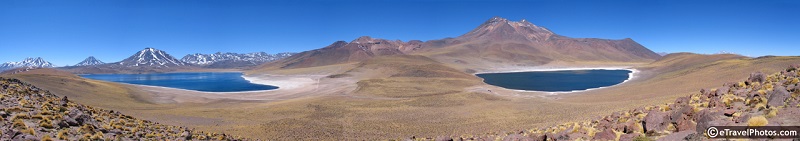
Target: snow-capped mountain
[150, 57]
[37, 62]
[91, 61]
[252, 58]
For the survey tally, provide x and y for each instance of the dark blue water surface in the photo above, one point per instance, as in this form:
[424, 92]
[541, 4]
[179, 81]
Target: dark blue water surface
[556, 81]
[199, 81]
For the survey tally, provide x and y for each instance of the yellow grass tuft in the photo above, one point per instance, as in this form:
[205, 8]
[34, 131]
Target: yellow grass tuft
[771, 112]
[97, 136]
[29, 131]
[47, 138]
[62, 135]
[757, 121]
[46, 123]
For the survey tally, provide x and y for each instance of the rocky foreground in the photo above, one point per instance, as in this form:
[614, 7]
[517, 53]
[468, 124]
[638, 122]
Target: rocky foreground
[30, 113]
[761, 100]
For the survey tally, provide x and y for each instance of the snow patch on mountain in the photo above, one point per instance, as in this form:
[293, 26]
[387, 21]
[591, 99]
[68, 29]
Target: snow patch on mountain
[151, 57]
[91, 61]
[37, 62]
[254, 58]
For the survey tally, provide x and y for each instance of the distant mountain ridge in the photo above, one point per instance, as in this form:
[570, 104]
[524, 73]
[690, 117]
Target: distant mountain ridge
[90, 61]
[223, 60]
[151, 60]
[148, 60]
[37, 62]
[498, 42]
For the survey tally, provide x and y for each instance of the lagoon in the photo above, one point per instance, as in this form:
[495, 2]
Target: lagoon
[556, 81]
[198, 81]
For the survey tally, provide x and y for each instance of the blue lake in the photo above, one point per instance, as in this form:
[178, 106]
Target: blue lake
[556, 81]
[199, 81]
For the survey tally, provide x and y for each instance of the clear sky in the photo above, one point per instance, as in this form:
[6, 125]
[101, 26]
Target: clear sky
[66, 32]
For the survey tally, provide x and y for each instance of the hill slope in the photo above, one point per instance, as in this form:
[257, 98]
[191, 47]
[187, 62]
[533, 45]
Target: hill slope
[30, 113]
[761, 100]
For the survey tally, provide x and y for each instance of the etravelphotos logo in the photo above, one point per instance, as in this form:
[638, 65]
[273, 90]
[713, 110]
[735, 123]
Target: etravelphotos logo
[753, 132]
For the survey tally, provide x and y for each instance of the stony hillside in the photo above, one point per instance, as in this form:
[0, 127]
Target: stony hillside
[761, 100]
[30, 113]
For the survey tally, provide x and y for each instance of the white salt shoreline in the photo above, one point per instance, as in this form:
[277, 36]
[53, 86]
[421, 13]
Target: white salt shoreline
[632, 75]
[282, 82]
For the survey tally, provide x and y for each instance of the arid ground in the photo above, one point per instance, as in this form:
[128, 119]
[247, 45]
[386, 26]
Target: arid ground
[397, 97]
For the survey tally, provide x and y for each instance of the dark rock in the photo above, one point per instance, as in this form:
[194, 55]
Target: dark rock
[631, 127]
[605, 135]
[64, 124]
[71, 122]
[778, 96]
[654, 121]
[757, 77]
[682, 101]
[742, 118]
[682, 118]
[722, 91]
[84, 119]
[706, 92]
[704, 119]
[715, 102]
[188, 135]
[64, 101]
[729, 112]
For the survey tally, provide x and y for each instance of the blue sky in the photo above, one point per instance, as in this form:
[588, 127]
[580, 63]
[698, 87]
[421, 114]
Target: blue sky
[66, 32]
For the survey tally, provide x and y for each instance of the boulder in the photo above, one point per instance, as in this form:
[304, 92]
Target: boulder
[682, 101]
[682, 118]
[706, 92]
[757, 77]
[70, 121]
[729, 112]
[722, 91]
[84, 119]
[605, 135]
[654, 121]
[778, 96]
[704, 119]
[631, 127]
[715, 102]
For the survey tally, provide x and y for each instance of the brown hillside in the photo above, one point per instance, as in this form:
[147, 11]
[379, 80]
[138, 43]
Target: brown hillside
[497, 42]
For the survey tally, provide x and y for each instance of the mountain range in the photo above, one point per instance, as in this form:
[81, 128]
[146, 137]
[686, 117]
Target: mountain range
[498, 42]
[37, 62]
[232, 60]
[151, 60]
